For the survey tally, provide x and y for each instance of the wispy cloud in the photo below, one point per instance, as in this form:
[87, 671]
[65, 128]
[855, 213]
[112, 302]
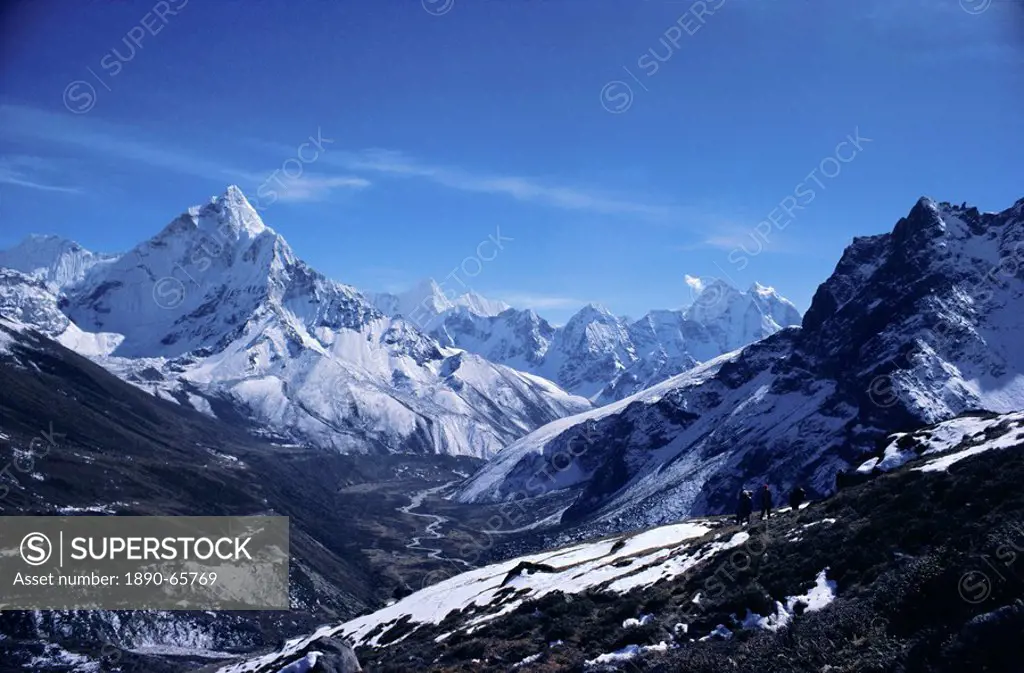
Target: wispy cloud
[730, 241]
[106, 141]
[31, 172]
[736, 237]
[95, 137]
[110, 141]
[317, 187]
[398, 164]
[938, 30]
[9, 178]
[302, 187]
[539, 301]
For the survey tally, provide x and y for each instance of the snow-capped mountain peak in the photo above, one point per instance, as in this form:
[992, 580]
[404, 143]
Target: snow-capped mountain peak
[426, 293]
[734, 318]
[589, 314]
[481, 305]
[426, 303]
[238, 213]
[713, 300]
[56, 261]
[595, 328]
[194, 284]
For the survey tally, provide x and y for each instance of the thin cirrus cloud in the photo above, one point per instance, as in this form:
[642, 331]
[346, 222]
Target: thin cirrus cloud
[104, 140]
[301, 188]
[316, 187]
[749, 240]
[33, 173]
[398, 164]
[96, 138]
[730, 241]
[539, 301]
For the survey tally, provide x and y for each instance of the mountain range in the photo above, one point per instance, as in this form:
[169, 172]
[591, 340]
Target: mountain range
[55, 261]
[218, 313]
[913, 327]
[596, 354]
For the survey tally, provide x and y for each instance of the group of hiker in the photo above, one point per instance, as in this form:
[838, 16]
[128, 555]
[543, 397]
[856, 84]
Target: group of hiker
[746, 503]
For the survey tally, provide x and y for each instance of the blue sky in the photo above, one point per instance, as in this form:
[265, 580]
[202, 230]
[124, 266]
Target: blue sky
[619, 145]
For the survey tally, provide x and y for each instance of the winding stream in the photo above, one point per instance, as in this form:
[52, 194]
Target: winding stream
[436, 521]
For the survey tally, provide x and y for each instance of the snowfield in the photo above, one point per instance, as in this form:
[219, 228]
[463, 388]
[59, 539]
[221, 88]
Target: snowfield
[615, 566]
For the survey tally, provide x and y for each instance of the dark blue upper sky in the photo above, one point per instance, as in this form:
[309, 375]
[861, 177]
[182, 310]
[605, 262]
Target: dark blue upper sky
[620, 145]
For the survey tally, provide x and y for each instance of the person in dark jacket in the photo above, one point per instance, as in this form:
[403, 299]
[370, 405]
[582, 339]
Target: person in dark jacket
[840, 480]
[745, 507]
[766, 503]
[796, 497]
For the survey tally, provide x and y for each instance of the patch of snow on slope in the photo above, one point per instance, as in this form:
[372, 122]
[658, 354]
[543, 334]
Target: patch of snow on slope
[533, 658]
[54, 657]
[5, 342]
[820, 595]
[89, 344]
[201, 404]
[625, 654]
[178, 651]
[654, 569]
[634, 622]
[720, 632]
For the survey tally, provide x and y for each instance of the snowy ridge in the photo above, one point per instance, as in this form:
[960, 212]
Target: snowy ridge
[528, 455]
[614, 566]
[925, 314]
